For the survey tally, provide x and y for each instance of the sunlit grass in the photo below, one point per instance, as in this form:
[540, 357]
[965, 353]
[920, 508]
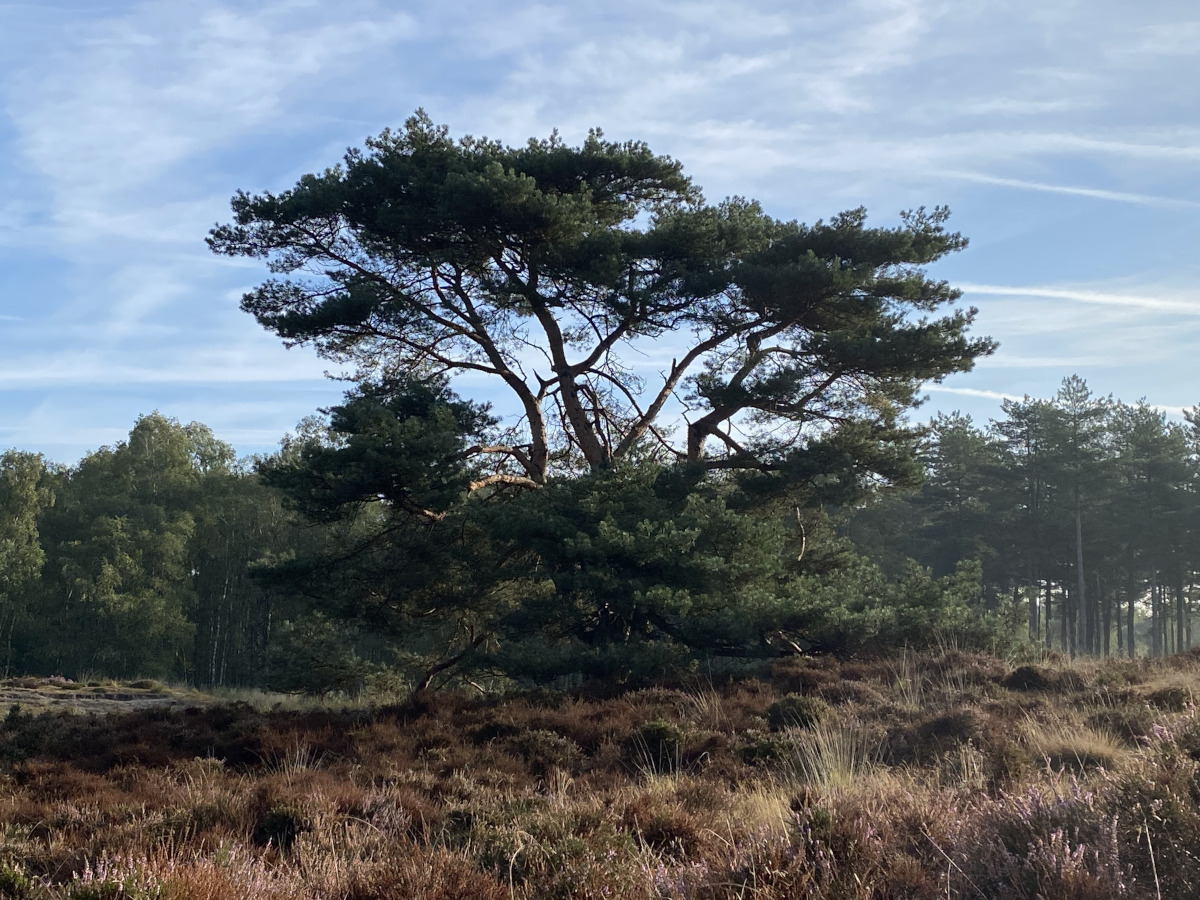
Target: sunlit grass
[960, 787]
[1075, 748]
[834, 756]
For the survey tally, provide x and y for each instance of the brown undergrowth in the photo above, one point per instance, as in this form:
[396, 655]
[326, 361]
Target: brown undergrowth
[945, 775]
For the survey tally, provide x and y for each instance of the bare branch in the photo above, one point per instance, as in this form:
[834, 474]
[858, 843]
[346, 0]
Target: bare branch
[501, 478]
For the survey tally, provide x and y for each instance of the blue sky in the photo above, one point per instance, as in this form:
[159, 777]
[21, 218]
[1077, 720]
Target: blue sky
[1064, 135]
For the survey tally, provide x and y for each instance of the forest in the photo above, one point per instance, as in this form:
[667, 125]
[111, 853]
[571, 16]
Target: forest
[1069, 522]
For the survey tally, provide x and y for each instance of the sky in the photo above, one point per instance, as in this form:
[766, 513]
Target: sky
[1063, 134]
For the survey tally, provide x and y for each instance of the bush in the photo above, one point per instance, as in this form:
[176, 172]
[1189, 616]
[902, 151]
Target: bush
[796, 711]
[1175, 697]
[925, 741]
[280, 826]
[841, 693]
[758, 748]
[1041, 678]
[14, 883]
[1130, 723]
[315, 655]
[656, 747]
[543, 750]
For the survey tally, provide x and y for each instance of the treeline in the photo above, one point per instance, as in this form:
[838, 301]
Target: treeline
[139, 559]
[1083, 510]
[321, 567]
[356, 556]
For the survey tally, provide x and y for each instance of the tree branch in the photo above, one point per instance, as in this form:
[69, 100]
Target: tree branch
[501, 478]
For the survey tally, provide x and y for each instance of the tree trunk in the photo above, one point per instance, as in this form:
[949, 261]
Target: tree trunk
[1080, 602]
[1066, 629]
[1120, 626]
[1131, 636]
[1179, 613]
[1187, 600]
[1034, 608]
[1156, 633]
[1049, 612]
[1105, 647]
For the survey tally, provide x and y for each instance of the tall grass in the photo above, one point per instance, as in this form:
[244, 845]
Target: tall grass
[833, 757]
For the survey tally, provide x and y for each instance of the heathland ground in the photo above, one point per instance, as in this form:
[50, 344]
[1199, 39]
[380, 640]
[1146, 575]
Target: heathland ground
[946, 774]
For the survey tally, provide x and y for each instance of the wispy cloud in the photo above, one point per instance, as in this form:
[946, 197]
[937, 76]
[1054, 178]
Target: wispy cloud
[248, 364]
[128, 124]
[1095, 193]
[1189, 307]
[971, 392]
[112, 113]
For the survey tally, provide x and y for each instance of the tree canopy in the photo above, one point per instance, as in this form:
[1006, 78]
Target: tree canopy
[627, 317]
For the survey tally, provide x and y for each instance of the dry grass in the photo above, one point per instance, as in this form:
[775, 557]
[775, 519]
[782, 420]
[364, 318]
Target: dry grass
[923, 778]
[833, 758]
[1075, 748]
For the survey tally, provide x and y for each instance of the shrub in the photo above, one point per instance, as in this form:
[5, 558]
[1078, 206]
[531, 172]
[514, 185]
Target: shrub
[1130, 723]
[655, 747]
[1042, 678]
[757, 748]
[1075, 749]
[1173, 697]
[926, 740]
[543, 750]
[796, 711]
[1029, 678]
[841, 693]
[14, 883]
[279, 826]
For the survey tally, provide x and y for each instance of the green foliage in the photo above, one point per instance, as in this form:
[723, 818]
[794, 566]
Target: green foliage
[627, 574]
[120, 536]
[25, 491]
[15, 884]
[1080, 509]
[447, 257]
[655, 747]
[641, 555]
[399, 444]
[402, 555]
[147, 552]
[315, 656]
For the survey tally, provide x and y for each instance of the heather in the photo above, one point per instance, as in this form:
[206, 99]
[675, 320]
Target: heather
[943, 774]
